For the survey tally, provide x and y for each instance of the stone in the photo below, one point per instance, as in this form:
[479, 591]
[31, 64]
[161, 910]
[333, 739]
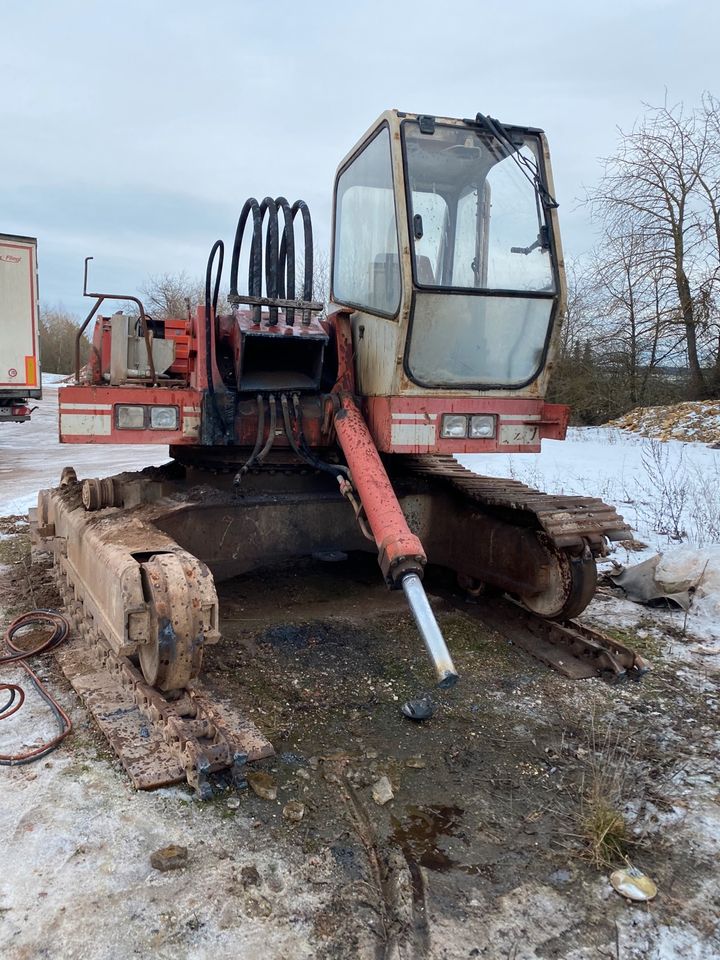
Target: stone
[274, 881]
[250, 876]
[232, 803]
[172, 857]
[302, 774]
[294, 811]
[262, 785]
[228, 916]
[382, 791]
[258, 907]
[415, 763]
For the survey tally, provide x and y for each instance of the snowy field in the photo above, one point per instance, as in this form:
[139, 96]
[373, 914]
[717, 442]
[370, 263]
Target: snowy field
[32, 458]
[666, 490]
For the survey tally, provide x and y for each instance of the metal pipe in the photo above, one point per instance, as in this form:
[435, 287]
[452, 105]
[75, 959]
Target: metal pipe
[429, 630]
[112, 296]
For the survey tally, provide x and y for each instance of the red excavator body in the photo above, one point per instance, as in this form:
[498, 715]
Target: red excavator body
[294, 430]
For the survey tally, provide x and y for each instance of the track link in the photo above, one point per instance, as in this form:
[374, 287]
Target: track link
[570, 522]
[159, 740]
[571, 648]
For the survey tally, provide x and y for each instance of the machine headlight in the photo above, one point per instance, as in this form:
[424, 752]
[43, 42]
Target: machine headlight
[482, 427]
[454, 426]
[129, 417]
[164, 418]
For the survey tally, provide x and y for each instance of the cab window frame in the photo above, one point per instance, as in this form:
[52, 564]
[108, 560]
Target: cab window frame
[360, 307]
[477, 291]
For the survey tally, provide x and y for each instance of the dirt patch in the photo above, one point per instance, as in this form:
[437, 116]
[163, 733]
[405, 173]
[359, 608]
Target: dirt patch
[481, 852]
[697, 421]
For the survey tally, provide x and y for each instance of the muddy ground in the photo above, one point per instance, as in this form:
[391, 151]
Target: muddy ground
[486, 849]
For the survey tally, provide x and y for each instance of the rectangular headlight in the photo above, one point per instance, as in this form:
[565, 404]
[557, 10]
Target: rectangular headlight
[482, 427]
[454, 426]
[129, 417]
[164, 418]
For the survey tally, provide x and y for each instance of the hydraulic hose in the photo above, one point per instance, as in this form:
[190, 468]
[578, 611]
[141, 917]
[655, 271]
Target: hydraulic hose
[61, 629]
[279, 253]
[212, 294]
[271, 432]
[258, 441]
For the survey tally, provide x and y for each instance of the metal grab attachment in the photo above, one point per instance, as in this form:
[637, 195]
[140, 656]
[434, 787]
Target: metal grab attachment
[429, 630]
[400, 553]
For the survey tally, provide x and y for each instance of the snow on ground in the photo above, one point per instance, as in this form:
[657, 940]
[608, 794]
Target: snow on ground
[666, 490]
[32, 457]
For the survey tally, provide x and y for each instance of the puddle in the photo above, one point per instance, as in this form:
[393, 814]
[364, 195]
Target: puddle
[420, 836]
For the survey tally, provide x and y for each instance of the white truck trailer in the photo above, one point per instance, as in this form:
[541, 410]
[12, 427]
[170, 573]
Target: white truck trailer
[19, 353]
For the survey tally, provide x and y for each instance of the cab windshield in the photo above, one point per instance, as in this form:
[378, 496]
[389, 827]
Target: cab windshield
[482, 257]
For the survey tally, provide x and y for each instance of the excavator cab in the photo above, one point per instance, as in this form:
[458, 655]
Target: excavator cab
[446, 249]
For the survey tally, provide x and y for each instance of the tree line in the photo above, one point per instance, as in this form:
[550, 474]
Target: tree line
[643, 318]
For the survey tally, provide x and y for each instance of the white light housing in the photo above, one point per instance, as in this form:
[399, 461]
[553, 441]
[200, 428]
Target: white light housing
[129, 417]
[163, 418]
[482, 427]
[454, 426]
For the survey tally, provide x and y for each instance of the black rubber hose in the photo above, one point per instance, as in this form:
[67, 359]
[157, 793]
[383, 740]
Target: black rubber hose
[258, 442]
[211, 302]
[61, 629]
[255, 261]
[286, 259]
[271, 432]
[13, 690]
[305, 454]
[271, 254]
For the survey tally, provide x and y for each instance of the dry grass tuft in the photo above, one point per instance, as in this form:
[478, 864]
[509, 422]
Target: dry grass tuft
[603, 830]
[605, 787]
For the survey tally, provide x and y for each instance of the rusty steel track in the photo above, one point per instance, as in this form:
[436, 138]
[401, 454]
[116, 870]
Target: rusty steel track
[159, 740]
[569, 647]
[572, 523]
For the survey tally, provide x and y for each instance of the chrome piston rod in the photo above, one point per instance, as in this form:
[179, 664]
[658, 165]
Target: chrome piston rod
[429, 630]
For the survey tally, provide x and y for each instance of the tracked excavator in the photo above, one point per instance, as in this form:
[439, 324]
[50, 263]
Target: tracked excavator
[294, 430]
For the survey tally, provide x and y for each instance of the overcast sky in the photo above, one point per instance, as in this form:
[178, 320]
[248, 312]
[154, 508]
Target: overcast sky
[133, 131]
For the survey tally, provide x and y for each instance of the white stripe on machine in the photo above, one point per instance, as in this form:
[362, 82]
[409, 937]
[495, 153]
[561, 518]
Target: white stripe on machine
[412, 434]
[85, 424]
[414, 416]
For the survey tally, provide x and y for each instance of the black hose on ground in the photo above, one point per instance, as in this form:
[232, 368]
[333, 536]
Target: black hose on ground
[60, 631]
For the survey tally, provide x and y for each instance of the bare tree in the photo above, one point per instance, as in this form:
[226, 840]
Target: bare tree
[635, 327]
[651, 190]
[58, 331]
[172, 295]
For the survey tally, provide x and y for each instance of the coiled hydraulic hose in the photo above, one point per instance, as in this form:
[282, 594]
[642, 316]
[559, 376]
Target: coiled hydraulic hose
[212, 294]
[60, 631]
[279, 255]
